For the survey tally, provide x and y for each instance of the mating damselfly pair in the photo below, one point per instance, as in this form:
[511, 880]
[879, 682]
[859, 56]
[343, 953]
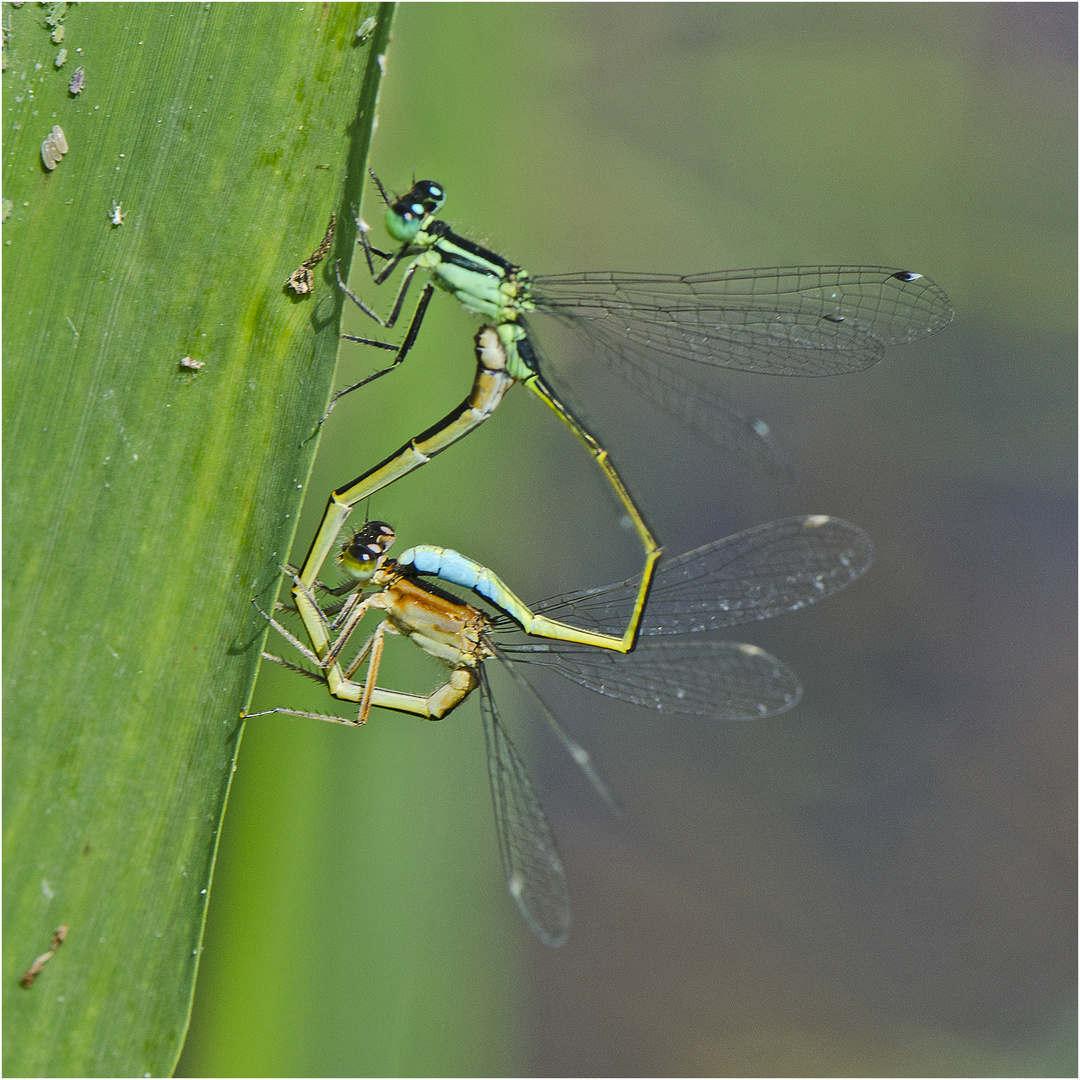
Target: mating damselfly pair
[809, 321]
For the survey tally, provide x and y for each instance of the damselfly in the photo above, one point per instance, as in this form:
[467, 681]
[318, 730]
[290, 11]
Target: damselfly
[756, 574]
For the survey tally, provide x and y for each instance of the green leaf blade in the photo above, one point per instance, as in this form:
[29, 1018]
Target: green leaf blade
[146, 503]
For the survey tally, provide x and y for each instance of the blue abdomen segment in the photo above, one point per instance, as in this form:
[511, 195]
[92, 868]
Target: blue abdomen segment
[444, 563]
[451, 566]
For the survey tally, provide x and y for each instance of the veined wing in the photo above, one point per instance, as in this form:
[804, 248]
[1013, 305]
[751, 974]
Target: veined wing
[756, 574]
[785, 320]
[720, 680]
[700, 408]
[581, 757]
[534, 872]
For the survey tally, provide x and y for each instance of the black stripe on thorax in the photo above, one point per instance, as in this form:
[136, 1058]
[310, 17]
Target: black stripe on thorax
[444, 232]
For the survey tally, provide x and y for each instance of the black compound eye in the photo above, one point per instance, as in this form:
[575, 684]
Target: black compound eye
[375, 537]
[429, 194]
[423, 199]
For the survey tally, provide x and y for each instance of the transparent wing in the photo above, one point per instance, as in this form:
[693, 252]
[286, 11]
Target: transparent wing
[534, 872]
[756, 574]
[710, 414]
[582, 758]
[721, 680]
[785, 320]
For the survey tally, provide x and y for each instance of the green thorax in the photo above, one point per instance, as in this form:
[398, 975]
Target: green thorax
[483, 283]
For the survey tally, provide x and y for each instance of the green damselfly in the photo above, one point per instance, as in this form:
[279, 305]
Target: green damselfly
[788, 320]
[756, 574]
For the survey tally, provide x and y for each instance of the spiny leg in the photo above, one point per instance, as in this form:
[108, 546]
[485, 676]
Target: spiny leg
[320, 679]
[433, 706]
[378, 276]
[363, 227]
[353, 610]
[401, 351]
[374, 645]
[348, 625]
[359, 658]
[306, 715]
[299, 712]
[395, 311]
[294, 641]
[357, 612]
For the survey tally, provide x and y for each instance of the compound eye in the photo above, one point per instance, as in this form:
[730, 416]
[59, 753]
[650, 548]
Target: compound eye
[431, 194]
[360, 557]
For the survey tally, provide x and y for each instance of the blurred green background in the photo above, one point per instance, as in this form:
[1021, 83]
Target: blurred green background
[881, 882]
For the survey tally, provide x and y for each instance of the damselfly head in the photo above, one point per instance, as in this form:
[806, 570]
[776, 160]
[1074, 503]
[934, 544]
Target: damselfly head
[361, 556]
[405, 215]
